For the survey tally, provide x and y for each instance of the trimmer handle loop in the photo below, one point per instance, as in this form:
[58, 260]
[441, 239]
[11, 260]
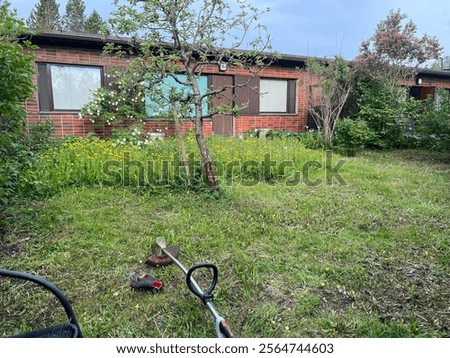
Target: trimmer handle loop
[207, 295]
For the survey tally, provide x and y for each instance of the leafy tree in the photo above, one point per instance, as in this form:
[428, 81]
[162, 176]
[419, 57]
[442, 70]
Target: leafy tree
[187, 37]
[94, 23]
[45, 16]
[16, 71]
[387, 62]
[74, 18]
[394, 53]
[330, 84]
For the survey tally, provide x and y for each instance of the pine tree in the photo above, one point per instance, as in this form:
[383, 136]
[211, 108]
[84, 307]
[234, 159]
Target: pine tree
[94, 23]
[74, 18]
[45, 16]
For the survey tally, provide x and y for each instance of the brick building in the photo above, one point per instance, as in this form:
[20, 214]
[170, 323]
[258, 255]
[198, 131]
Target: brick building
[70, 65]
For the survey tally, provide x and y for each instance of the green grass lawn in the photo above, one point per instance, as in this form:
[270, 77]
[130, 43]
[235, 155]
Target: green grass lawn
[367, 259]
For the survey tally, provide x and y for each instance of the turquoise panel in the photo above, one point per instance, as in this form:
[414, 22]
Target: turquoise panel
[162, 107]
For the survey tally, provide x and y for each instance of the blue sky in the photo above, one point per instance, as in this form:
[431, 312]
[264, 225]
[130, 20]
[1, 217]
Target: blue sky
[321, 28]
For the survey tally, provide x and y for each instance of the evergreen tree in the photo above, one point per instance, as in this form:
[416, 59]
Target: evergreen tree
[45, 16]
[74, 18]
[94, 23]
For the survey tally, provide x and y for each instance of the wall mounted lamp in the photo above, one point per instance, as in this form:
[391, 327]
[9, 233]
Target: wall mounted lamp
[223, 66]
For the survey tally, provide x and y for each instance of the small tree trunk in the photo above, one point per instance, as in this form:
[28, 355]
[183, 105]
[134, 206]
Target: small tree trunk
[208, 168]
[327, 134]
[181, 142]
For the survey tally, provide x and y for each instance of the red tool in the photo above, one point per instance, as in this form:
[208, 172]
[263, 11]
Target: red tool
[147, 282]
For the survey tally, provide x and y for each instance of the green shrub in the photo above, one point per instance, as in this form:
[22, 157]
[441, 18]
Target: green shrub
[252, 133]
[281, 134]
[42, 135]
[433, 125]
[352, 136]
[311, 139]
[16, 73]
[385, 115]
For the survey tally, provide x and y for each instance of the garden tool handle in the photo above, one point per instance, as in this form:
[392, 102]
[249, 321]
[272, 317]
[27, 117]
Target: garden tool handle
[207, 295]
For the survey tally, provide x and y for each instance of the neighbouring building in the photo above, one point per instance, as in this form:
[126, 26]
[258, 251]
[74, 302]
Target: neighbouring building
[70, 66]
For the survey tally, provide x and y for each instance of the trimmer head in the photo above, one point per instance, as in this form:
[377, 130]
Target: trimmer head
[158, 257]
[158, 245]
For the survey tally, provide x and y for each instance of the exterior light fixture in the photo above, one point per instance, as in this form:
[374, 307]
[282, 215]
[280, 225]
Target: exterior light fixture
[223, 66]
[419, 81]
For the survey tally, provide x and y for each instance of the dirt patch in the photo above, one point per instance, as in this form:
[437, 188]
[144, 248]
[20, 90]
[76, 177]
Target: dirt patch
[397, 291]
[409, 289]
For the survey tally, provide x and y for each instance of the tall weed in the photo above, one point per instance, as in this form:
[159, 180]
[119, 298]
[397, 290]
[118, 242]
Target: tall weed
[89, 162]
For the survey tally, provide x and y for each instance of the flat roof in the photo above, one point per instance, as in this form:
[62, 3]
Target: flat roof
[96, 41]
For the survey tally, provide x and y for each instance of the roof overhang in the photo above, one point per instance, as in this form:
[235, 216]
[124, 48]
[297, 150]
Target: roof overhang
[94, 41]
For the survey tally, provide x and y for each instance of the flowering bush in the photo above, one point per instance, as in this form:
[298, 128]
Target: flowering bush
[132, 135]
[110, 106]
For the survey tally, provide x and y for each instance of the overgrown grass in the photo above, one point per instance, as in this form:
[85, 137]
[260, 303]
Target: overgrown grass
[85, 162]
[366, 259]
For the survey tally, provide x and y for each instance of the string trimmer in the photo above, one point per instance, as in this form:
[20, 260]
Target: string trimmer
[159, 257]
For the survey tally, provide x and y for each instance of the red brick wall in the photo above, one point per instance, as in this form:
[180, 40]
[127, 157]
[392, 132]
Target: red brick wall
[71, 124]
[434, 82]
[291, 122]
[429, 81]
[67, 123]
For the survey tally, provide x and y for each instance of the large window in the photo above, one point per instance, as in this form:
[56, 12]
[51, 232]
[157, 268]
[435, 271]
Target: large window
[66, 87]
[265, 96]
[277, 95]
